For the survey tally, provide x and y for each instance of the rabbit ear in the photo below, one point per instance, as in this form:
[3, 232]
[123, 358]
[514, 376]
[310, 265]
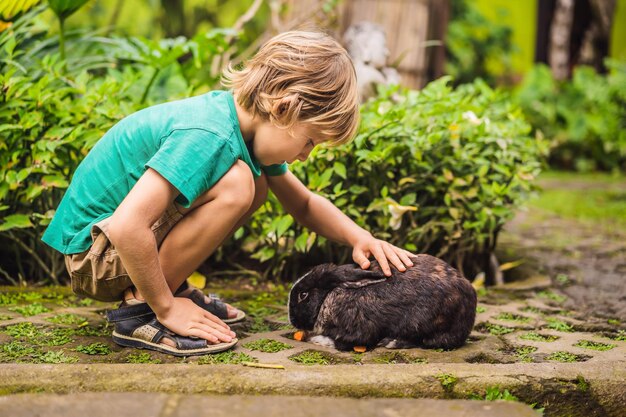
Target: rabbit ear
[353, 276]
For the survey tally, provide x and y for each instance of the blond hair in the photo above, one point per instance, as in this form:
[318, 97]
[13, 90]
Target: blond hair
[310, 72]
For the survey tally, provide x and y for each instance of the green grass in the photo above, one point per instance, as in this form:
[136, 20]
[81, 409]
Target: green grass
[311, 357]
[480, 309]
[30, 309]
[15, 350]
[558, 325]
[513, 317]
[94, 349]
[397, 357]
[588, 344]
[56, 357]
[523, 353]
[228, 357]
[143, 357]
[620, 336]
[494, 329]
[603, 203]
[613, 322]
[530, 309]
[561, 356]
[67, 318]
[549, 295]
[15, 297]
[495, 394]
[267, 345]
[30, 333]
[536, 337]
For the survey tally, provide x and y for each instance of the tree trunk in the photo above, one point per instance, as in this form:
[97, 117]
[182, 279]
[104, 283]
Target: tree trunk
[595, 42]
[560, 39]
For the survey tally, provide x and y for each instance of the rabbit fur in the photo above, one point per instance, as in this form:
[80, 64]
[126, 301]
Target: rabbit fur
[430, 305]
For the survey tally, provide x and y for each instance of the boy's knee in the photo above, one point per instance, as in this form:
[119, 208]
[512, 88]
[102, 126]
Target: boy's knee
[237, 186]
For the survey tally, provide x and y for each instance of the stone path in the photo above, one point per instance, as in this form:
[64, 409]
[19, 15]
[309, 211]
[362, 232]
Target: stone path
[524, 344]
[163, 405]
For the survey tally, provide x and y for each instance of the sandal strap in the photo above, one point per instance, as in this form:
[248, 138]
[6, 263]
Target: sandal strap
[182, 342]
[129, 312]
[216, 306]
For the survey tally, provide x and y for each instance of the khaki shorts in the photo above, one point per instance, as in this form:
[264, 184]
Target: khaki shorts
[98, 272]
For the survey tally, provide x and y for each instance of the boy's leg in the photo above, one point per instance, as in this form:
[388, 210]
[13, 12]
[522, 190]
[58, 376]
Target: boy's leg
[211, 219]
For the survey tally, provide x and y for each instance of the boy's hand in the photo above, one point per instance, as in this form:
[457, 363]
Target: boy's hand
[185, 318]
[383, 252]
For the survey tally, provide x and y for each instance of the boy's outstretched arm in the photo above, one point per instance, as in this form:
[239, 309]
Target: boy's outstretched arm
[321, 216]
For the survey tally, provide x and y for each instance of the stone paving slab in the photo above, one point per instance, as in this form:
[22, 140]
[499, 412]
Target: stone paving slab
[162, 405]
[569, 389]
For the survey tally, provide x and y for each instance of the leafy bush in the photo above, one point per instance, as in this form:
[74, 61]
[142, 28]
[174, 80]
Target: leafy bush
[438, 171]
[584, 118]
[52, 111]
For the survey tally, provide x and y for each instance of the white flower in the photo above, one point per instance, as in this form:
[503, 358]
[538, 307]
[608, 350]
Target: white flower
[471, 117]
[397, 211]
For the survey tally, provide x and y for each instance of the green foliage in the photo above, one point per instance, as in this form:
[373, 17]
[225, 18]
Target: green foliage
[447, 381]
[439, 171]
[94, 349]
[477, 47]
[584, 118]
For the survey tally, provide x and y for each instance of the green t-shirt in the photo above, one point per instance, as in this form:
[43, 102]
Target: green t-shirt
[192, 143]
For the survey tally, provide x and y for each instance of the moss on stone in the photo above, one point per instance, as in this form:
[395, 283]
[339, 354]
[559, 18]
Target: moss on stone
[562, 356]
[397, 357]
[57, 356]
[267, 345]
[313, 357]
[143, 357]
[558, 325]
[494, 329]
[225, 358]
[537, 337]
[551, 295]
[512, 317]
[523, 353]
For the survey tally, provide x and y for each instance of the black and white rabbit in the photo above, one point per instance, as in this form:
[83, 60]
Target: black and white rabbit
[430, 305]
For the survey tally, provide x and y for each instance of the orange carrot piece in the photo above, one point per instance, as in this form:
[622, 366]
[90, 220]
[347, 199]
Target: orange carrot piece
[359, 349]
[299, 335]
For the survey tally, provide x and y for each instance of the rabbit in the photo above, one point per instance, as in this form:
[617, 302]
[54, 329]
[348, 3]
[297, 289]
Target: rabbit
[430, 305]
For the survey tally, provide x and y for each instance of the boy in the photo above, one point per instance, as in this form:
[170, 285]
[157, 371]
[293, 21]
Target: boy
[165, 186]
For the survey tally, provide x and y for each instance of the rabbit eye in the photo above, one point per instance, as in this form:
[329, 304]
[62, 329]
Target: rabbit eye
[302, 296]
